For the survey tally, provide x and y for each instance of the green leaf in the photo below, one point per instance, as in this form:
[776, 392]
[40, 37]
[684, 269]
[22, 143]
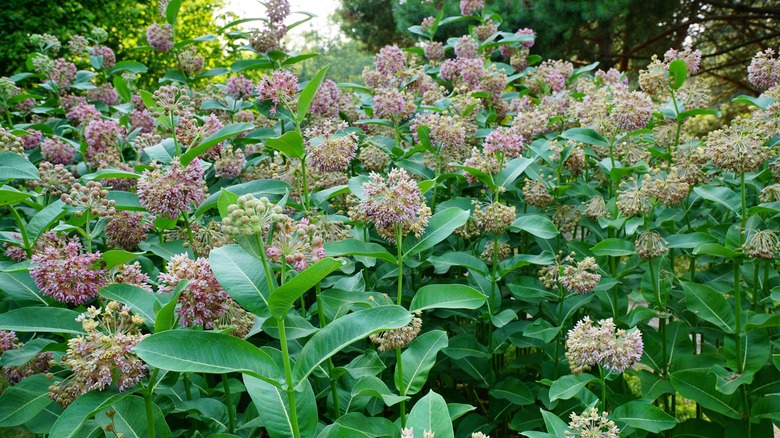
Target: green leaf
[207, 352]
[226, 198]
[172, 11]
[308, 93]
[689, 240]
[344, 331]
[514, 168]
[644, 416]
[699, 386]
[542, 330]
[214, 139]
[140, 300]
[10, 195]
[614, 248]
[14, 166]
[290, 144]
[554, 425]
[678, 72]
[371, 386]
[418, 359]
[430, 413]
[148, 99]
[697, 112]
[721, 195]
[352, 247]
[585, 135]
[243, 277]
[44, 219]
[274, 407]
[131, 66]
[110, 173]
[21, 287]
[84, 408]
[283, 298]
[442, 263]
[761, 102]
[25, 353]
[567, 387]
[41, 320]
[536, 225]
[514, 391]
[709, 305]
[447, 296]
[22, 402]
[440, 226]
[115, 257]
[130, 419]
[715, 249]
[763, 320]
[165, 319]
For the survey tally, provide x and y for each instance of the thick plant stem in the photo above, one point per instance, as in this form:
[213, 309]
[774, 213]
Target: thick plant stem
[187, 385]
[603, 389]
[189, 233]
[268, 275]
[738, 280]
[559, 338]
[150, 432]
[399, 363]
[288, 378]
[230, 406]
[22, 230]
[333, 388]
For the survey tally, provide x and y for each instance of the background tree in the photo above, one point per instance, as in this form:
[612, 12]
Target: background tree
[616, 33]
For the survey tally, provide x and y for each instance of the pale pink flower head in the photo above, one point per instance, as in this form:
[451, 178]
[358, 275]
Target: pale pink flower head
[504, 140]
[239, 87]
[390, 60]
[57, 151]
[204, 299]
[393, 104]
[109, 58]
[169, 192]
[279, 87]
[396, 201]
[466, 47]
[67, 275]
[764, 70]
[632, 110]
[325, 102]
[160, 37]
[692, 59]
[468, 7]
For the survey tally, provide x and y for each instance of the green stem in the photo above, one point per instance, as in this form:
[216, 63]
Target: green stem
[305, 196]
[88, 231]
[737, 280]
[494, 275]
[187, 385]
[268, 275]
[22, 230]
[189, 233]
[559, 338]
[288, 378]
[399, 301]
[400, 366]
[603, 389]
[150, 432]
[231, 407]
[333, 388]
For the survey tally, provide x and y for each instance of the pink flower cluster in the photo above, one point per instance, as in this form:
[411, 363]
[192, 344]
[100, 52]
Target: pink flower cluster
[614, 349]
[170, 192]
[66, 274]
[160, 37]
[204, 299]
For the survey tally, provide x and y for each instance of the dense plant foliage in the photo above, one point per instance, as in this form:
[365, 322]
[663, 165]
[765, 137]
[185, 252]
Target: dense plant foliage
[475, 242]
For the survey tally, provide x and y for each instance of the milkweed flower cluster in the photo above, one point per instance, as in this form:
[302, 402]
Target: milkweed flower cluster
[591, 424]
[397, 338]
[408, 432]
[239, 87]
[10, 375]
[296, 243]
[764, 70]
[126, 229]
[577, 277]
[250, 215]
[333, 153]
[394, 202]
[737, 147]
[160, 37]
[762, 244]
[495, 217]
[605, 345]
[650, 244]
[203, 300]
[279, 87]
[90, 198]
[66, 274]
[104, 356]
[506, 141]
[468, 7]
[169, 192]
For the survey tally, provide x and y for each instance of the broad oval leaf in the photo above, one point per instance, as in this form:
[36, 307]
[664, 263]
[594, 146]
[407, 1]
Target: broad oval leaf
[614, 247]
[567, 387]
[308, 93]
[22, 402]
[243, 277]
[430, 413]
[644, 416]
[709, 305]
[720, 195]
[289, 143]
[214, 139]
[353, 247]
[140, 300]
[41, 320]
[273, 404]
[699, 386]
[343, 331]
[536, 225]
[447, 296]
[585, 135]
[13, 166]
[207, 352]
[418, 359]
[440, 226]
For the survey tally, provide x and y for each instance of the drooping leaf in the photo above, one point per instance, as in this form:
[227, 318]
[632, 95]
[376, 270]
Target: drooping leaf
[699, 386]
[447, 296]
[13, 166]
[440, 226]
[41, 320]
[536, 225]
[430, 413]
[214, 139]
[567, 387]
[274, 408]
[207, 352]
[308, 93]
[418, 359]
[140, 300]
[343, 331]
[643, 416]
[22, 402]
[709, 305]
[243, 277]
[353, 247]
